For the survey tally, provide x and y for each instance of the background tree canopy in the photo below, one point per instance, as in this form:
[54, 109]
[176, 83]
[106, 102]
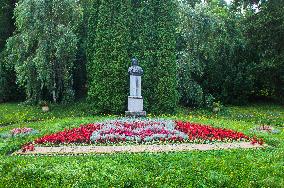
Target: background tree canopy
[193, 53]
[43, 48]
[264, 32]
[214, 61]
[8, 87]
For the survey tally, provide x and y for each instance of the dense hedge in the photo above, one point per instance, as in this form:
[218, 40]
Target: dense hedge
[164, 70]
[107, 69]
[142, 29]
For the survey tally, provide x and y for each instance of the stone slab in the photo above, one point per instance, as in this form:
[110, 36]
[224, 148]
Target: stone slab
[135, 104]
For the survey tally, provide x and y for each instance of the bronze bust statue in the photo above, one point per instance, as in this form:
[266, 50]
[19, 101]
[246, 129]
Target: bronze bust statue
[135, 70]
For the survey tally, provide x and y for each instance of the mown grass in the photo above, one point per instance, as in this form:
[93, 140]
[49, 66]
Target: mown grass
[228, 168]
[12, 113]
[258, 113]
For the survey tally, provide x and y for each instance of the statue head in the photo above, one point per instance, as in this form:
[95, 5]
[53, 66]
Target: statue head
[134, 62]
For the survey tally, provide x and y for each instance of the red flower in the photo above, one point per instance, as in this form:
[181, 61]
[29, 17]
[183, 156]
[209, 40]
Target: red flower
[194, 131]
[28, 147]
[76, 135]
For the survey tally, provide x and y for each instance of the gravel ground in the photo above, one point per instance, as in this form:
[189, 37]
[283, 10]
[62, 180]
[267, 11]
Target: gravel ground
[138, 148]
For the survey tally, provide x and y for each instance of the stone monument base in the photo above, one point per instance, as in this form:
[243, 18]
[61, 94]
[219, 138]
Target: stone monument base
[135, 107]
[135, 114]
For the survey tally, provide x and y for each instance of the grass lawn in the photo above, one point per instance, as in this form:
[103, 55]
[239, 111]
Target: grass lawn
[230, 168]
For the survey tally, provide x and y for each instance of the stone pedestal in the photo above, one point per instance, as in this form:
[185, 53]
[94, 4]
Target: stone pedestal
[135, 107]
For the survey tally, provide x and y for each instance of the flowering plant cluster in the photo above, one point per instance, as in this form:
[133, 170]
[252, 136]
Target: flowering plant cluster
[28, 147]
[22, 131]
[137, 131]
[207, 133]
[143, 131]
[265, 129]
[18, 132]
[204, 132]
[76, 135]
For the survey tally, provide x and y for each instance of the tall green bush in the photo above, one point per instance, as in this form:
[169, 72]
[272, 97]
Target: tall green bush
[107, 69]
[141, 29]
[144, 45]
[44, 47]
[164, 71]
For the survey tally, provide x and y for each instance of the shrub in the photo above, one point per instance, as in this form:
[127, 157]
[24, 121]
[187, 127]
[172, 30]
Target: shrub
[142, 29]
[107, 68]
[19, 132]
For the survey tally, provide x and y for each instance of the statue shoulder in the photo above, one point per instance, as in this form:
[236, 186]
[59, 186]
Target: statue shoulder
[135, 70]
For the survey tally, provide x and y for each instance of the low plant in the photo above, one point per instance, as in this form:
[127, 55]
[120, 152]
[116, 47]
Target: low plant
[143, 131]
[138, 131]
[19, 132]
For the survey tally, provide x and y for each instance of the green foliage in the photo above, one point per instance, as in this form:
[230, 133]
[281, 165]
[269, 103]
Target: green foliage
[224, 168]
[80, 66]
[4, 87]
[12, 113]
[6, 22]
[8, 88]
[153, 43]
[164, 71]
[264, 31]
[142, 29]
[44, 47]
[189, 75]
[214, 61]
[107, 69]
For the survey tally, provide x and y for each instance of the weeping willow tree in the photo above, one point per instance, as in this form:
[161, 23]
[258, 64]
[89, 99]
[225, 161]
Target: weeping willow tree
[43, 48]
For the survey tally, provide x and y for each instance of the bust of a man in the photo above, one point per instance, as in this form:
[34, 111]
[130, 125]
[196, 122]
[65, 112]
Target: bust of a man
[135, 70]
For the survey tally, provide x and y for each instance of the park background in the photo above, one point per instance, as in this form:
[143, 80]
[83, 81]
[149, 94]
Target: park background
[211, 62]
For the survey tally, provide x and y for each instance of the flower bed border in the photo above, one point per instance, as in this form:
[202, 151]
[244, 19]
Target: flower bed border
[77, 150]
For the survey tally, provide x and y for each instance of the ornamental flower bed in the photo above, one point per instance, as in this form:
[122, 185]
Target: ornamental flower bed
[76, 135]
[208, 133]
[141, 131]
[19, 132]
[138, 132]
